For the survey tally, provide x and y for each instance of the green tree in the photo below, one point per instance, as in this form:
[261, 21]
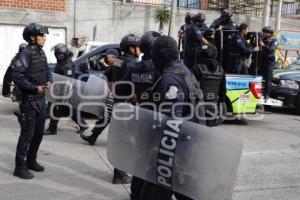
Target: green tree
[162, 15]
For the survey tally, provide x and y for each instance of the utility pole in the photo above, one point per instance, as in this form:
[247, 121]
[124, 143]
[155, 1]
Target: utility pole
[172, 20]
[278, 17]
[266, 13]
[74, 19]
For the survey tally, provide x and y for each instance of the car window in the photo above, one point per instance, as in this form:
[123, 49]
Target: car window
[96, 62]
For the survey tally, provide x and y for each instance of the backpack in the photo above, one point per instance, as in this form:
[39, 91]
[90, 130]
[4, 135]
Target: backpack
[7, 91]
[195, 94]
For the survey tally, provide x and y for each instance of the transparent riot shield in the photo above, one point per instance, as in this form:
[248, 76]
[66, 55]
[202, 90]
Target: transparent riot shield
[188, 158]
[61, 89]
[90, 96]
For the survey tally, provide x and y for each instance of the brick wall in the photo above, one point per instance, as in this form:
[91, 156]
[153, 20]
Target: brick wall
[46, 5]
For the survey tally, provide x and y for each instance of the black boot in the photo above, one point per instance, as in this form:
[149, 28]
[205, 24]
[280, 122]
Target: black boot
[33, 165]
[52, 130]
[90, 139]
[120, 177]
[97, 130]
[22, 173]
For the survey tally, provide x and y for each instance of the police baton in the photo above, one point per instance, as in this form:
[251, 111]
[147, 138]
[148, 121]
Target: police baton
[179, 43]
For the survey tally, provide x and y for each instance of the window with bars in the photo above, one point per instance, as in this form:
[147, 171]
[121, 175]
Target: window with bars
[181, 3]
[290, 8]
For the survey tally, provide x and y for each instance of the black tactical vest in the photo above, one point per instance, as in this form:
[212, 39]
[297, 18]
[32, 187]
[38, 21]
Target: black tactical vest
[143, 75]
[210, 82]
[195, 93]
[37, 72]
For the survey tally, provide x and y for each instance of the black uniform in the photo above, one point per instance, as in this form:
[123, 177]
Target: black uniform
[213, 83]
[242, 52]
[181, 39]
[267, 63]
[174, 85]
[114, 73]
[229, 25]
[30, 71]
[193, 38]
[66, 68]
[143, 75]
[170, 82]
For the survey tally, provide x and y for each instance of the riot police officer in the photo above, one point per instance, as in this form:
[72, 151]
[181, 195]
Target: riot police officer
[212, 80]
[7, 79]
[209, 35]
[242, 51]
[194, 39]
[225, 30]
[268, 46]
[31, 76]
[181, 32]
[65, 67]
[173, 87]
[187, 20]
[143, 75]
[130, 47]
[224, 22]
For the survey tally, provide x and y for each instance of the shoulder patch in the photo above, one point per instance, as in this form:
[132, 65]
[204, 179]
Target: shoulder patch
[118, 63]
[69, 72]
[172, 93]
[239, 40]
[204, 46]
[17, 63]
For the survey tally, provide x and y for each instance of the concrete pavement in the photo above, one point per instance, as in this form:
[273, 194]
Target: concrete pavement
[74, 170]
[269, 169]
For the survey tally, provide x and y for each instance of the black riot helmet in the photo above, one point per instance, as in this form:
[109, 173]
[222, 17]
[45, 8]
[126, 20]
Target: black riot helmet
[225, 16]
[226, 13]
[147, 40]
[22, 46]
[164, 51]
[61, 48]
[130, 40]
[208, 33]
[267, 29]
[61, 52]
[199, 17]
[188, 18]
[34, 29]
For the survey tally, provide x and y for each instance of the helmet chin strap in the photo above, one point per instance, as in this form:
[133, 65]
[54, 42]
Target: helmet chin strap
[36, 42]
[33, 42]
[135, 52]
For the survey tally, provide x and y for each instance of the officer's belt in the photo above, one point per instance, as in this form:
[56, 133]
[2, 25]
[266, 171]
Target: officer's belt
[33, 97]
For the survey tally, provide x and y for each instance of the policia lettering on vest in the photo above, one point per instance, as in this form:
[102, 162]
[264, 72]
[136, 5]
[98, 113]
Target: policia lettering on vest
[166, 153]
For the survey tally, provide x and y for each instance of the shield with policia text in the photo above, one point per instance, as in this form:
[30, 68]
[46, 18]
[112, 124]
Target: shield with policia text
[90, 96]
[185, 157]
